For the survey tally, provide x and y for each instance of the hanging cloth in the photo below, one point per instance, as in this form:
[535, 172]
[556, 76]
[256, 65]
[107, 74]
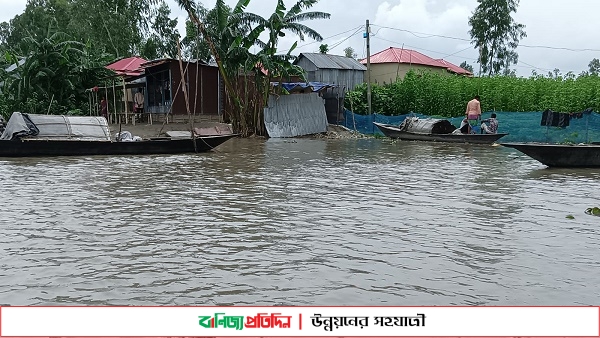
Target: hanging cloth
[555, 119]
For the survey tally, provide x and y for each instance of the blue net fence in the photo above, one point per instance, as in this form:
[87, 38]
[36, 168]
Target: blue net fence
[521, 126]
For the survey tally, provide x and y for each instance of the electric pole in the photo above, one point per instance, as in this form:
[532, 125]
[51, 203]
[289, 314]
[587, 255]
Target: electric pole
[368, 37]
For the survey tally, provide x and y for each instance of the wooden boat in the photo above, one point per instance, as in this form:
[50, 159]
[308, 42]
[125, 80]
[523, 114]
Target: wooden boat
[30, 148]
[561, 155]
[28, 135]
[434, 130]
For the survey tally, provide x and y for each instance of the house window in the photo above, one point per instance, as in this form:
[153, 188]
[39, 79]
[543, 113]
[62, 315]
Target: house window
[159, 92]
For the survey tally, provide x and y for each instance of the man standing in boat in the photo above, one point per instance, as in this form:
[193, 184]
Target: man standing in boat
[473, 112]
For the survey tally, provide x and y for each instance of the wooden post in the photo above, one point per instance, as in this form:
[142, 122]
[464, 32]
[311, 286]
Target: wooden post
[196, 89]
[106, 98]
[202, 92]
[185, 95]
[126, 98]
[117, 117]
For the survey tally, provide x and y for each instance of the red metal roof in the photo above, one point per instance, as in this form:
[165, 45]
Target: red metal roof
[129, 67]
[454, 68]
[399, 55]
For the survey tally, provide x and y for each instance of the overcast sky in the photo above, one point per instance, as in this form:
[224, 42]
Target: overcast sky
[569, 27]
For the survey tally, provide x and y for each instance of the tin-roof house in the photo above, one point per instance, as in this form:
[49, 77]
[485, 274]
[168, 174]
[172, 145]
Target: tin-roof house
[332, 69]
[160, 83]
[393, 63]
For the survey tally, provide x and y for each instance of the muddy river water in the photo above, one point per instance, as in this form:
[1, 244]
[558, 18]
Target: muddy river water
[295, 222]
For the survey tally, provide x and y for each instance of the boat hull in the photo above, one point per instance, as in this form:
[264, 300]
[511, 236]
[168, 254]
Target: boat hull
[33, 147]
[561, 155]
[396, 133]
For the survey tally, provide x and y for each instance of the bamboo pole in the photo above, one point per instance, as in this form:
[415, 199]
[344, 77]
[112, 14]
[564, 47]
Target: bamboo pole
[126, 100]
[120, 120]
[185, 95]
[117, 118]
[202, 92]
[50, 106]
[106, 98]
[196, 89]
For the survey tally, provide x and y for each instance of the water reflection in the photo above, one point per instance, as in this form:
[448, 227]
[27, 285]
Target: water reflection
[299, 222]
[565, 174]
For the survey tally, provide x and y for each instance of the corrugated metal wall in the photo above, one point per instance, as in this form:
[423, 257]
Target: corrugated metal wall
[347, 79]
[307, 65]
[295, 115]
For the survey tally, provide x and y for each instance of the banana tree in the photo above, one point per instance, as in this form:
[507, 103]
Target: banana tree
[236, 32]
[52, 70]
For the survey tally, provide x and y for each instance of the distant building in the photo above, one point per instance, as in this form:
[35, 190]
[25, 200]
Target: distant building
[332, 69]
[393, 63]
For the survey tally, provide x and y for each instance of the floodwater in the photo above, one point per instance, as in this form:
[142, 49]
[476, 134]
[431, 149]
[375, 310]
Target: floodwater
[299, 222]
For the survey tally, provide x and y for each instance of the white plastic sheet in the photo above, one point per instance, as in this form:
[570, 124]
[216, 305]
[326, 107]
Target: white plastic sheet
[56, 127]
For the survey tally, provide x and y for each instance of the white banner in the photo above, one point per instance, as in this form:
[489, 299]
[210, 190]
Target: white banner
[299, 321]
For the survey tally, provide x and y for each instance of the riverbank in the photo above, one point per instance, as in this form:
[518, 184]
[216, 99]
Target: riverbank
[144, 130]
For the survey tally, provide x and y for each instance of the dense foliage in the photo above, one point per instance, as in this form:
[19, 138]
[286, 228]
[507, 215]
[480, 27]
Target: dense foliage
[56, 49]
[117, 27]
[442, 95]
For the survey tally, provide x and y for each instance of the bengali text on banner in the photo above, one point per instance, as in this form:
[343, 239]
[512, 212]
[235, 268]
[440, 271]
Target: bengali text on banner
[282, 321]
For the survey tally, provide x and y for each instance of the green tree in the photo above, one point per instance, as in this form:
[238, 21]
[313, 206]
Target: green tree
[496, 34]
[162, 42]
[350, 53]
[59, 47]
[594, 66]
[117, 26]
[194, 47]
[464, 65]
[324, 49]
[34, 21]
[221, 27]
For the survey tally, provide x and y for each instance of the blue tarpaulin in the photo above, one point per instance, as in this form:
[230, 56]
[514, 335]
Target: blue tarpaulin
[306, 86]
